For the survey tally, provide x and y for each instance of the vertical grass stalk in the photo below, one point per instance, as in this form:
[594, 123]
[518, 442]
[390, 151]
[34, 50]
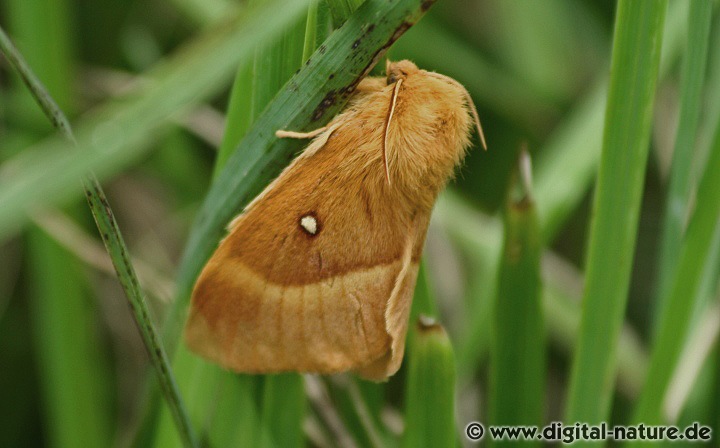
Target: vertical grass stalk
[678, 195]
[517, 378]
[423, 299]
[430, 389]
[616, 208]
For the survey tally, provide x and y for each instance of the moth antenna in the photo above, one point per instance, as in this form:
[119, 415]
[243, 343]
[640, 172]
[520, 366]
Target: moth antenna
[387, 127]
[468, 98]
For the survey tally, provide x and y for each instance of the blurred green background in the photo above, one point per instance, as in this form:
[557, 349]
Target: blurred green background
[148, 85]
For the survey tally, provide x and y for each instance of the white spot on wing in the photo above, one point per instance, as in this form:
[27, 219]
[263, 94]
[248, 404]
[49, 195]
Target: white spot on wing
[309, 223]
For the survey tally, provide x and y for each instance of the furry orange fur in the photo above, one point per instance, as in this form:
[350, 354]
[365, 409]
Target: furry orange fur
[317, 274]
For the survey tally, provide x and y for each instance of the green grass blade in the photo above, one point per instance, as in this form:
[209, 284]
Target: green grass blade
[309, 100]
[115, 245]
[634, 71]
[693, 256]
[679, 190]
[117, 134]
[423, 299]
[430, 389]
[424, 302]
[517, 374]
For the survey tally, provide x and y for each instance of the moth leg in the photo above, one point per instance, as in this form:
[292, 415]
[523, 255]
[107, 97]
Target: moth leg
[292, 134]
[324, 133]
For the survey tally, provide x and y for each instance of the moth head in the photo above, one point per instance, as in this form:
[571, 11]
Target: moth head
[426, 126]
[399, 70]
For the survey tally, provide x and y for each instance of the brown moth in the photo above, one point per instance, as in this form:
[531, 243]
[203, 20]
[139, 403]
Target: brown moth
[317, 274]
